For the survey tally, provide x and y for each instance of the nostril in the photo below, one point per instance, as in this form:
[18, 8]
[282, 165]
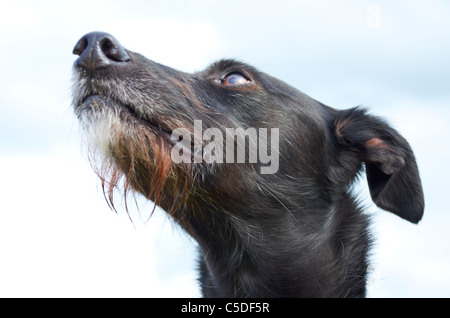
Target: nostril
[107, 47]
[113, 50]
[81, 46]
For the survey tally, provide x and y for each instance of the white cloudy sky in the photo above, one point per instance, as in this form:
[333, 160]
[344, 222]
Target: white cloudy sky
[57, 235]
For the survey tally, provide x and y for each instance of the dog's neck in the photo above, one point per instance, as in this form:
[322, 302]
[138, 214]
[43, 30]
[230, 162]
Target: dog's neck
[280, 254]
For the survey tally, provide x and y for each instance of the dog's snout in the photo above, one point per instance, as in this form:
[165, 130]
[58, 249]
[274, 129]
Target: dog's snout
[99, 50]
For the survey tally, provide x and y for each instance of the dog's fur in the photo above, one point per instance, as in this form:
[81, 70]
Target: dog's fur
[298, 232]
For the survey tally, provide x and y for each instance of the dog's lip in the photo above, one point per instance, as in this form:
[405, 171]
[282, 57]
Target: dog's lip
[155, 124]
[89, 99]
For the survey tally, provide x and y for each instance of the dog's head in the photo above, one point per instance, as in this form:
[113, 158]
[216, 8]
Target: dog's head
[165, 132]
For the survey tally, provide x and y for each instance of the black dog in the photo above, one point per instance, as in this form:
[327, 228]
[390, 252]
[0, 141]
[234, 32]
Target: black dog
[291, 232]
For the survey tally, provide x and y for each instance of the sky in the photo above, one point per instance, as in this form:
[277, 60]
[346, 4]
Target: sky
[58, 238]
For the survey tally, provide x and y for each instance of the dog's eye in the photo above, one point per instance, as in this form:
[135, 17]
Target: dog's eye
[235, 79]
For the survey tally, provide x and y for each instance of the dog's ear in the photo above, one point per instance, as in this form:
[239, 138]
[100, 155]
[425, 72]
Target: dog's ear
[391, 168]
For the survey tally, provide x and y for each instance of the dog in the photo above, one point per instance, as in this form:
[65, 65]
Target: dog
[293, 230]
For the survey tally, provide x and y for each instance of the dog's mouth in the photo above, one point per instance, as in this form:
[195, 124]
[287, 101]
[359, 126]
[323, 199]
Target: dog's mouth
[130, 113]
[132, 117]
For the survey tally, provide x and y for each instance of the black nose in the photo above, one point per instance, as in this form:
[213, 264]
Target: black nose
[99, 50]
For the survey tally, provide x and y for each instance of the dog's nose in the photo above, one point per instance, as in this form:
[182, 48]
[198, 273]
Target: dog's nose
[99, 50]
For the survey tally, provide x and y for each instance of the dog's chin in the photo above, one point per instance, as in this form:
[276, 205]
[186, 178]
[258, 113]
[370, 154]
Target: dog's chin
[131, 149]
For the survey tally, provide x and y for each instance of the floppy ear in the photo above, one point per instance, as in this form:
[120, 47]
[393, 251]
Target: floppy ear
[391, 168]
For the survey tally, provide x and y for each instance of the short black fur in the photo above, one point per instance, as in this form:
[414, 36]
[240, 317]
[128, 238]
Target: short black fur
[298, 232]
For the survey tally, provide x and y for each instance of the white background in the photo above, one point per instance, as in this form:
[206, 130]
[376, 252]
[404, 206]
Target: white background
[58, 237]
